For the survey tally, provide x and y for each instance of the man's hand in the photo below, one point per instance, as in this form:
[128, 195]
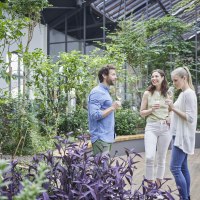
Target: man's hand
[116, 105]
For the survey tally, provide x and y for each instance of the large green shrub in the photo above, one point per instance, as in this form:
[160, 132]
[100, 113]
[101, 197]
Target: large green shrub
[128, 122]
[20, 131]
[76, 121]
[15, 127]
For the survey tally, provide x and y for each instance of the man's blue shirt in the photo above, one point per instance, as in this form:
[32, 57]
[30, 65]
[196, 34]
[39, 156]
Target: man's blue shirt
[101, 128]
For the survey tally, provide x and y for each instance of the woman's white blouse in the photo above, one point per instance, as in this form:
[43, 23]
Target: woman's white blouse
[185, 130]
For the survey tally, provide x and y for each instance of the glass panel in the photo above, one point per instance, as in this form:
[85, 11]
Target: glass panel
[55, 49]
[16, 69]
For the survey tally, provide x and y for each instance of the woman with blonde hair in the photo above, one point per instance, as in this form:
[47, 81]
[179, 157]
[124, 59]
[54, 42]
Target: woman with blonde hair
[183, 128]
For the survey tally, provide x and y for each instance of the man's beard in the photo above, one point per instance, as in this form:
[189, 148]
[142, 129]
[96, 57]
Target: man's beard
[110, 82]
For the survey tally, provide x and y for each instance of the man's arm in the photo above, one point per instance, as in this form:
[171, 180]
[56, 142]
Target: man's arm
[95, 102]
[112, 108]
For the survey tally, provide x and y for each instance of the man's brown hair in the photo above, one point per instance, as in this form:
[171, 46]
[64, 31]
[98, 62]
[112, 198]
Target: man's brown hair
[105, 70]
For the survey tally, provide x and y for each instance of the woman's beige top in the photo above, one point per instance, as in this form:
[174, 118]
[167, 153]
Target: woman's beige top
[158, 114]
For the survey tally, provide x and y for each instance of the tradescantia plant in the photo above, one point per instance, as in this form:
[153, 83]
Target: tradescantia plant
[74, 174]
[13, 186]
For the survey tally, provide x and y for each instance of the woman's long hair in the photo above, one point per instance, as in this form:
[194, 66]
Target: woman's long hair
[184, 71]
[164, 84]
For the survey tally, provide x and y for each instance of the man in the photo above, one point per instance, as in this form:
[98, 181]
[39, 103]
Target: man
[101, 111]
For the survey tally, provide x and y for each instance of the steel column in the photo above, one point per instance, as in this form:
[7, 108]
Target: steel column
[84, 28]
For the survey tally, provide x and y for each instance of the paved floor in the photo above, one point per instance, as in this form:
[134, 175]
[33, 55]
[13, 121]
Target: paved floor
[194, 166]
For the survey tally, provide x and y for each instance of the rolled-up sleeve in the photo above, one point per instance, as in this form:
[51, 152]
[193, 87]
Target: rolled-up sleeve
[191, 107]
[95, 102]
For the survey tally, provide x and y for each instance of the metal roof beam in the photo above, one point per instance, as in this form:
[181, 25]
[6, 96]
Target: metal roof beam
[110, 7]
[162, 7]
[135, 6]
[61, 19]
[88, 26]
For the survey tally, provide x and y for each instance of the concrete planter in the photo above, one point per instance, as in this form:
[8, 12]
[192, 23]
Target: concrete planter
[137, 142]
[197, 140]
[129, 142]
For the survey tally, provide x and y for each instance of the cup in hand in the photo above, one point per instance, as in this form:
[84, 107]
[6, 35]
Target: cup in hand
[117, 104]
[170, 93]
[157, 104]
[168, 101]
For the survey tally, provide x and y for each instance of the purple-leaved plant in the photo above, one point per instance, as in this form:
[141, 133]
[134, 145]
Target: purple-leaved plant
[75, 174]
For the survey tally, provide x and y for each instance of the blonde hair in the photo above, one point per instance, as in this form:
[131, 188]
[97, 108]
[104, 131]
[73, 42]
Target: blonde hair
[184, 71]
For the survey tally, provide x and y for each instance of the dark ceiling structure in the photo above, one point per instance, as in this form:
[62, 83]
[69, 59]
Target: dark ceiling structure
[138, 10]
[84, 19]
[73, 12]
[118, 9]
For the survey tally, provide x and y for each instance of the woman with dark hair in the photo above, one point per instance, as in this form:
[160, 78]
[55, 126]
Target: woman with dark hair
[157, 137]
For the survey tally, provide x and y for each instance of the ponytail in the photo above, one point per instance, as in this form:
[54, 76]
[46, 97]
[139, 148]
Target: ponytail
[189, 78]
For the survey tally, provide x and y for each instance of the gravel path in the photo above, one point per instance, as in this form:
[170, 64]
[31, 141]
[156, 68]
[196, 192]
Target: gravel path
[21, 159]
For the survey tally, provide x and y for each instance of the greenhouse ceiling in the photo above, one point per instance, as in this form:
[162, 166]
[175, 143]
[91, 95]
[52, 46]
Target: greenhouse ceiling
[139, 9]
[113, 10]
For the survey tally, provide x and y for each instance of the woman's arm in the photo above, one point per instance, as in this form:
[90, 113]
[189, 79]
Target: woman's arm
[143, 108]
[190, 102]
[179, 112]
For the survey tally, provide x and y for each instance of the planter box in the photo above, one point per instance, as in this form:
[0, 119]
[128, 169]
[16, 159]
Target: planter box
[197, 140]
[129, 142]
[137, 142]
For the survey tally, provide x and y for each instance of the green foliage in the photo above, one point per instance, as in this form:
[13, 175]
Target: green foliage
[169, 41]
[130, 42]
[169, 25]
[10, 32]
[198, 122]
[186, 5]
[15, 127]
[28, 8]
[31, 189]
[152, 43]
[76, 121]
[4, 167]
[20, 133]
[126, 104]
[40, 142]
[76, 74]
[128, 122]
[55, 84]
